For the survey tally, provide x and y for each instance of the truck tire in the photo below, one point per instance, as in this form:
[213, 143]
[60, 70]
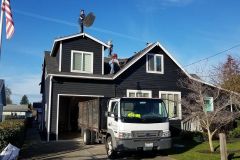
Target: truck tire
[93, 137]
[111, 153]
[87, 137]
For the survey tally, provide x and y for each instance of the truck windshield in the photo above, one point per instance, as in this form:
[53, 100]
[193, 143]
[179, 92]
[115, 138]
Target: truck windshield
[134, 110]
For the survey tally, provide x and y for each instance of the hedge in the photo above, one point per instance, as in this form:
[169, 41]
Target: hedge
[12, 131]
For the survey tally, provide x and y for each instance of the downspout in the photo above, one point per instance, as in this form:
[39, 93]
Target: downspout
[49, 107]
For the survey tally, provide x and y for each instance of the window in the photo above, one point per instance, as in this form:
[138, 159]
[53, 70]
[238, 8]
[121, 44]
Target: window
[172, 101]
[139, 93]
[81, 61]
[208, 102]
[155, 63]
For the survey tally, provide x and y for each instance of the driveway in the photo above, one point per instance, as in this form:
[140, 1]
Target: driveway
[35, 148]
[75, 150]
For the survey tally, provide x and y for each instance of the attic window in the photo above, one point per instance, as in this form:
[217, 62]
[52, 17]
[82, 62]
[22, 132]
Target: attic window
[155, 63]
[81, 61]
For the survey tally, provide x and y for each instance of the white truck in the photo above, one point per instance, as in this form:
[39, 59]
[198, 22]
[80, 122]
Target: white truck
[125, 124]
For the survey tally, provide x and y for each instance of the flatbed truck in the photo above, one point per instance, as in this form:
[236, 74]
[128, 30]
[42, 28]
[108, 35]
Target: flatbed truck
[125, 124]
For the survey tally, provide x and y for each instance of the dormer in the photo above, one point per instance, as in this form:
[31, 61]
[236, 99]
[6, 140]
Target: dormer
[80, 53]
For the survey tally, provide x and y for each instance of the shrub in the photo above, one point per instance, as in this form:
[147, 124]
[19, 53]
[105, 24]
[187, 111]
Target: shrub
[12, 131]
[193, 135]
[234, 133]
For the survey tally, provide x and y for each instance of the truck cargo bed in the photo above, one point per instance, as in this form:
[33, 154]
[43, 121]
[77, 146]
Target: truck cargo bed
[92, 114]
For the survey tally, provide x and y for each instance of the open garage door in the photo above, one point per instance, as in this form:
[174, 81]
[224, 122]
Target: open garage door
[68, 117]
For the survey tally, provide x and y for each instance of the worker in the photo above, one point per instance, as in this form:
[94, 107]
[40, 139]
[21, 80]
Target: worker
[113, 61]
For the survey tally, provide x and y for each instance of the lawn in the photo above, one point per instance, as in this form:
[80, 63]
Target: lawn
[200, 151]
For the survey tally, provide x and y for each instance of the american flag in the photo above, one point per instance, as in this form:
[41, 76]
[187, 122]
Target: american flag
[9, 20]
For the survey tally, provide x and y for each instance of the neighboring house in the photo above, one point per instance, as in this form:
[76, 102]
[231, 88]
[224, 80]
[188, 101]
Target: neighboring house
[13, 111]
[76, 69]
[2, 97]
[37, 106]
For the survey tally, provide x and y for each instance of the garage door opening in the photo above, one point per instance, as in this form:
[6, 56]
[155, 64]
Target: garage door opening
[68, 117]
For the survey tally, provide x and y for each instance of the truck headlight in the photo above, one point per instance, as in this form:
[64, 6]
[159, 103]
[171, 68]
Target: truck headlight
[166, 134]
[124, 135]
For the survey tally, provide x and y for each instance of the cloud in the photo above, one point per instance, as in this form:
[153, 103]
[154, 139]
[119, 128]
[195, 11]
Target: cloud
[28, 84]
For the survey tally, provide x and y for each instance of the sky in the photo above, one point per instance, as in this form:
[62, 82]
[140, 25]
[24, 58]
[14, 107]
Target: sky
[191, 30]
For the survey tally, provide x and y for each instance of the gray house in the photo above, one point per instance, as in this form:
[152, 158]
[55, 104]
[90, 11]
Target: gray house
[77, 69]
[2, 97]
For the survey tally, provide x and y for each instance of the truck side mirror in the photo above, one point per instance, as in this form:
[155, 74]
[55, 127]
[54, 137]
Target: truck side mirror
[106, 114]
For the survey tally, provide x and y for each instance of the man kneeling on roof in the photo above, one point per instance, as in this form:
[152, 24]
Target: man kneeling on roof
[114, 63]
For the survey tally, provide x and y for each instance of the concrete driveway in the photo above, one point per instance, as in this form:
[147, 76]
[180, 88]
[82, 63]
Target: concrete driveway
[35, 148]
[75, 150]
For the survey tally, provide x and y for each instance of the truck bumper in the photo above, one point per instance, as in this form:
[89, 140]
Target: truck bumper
[143, 144]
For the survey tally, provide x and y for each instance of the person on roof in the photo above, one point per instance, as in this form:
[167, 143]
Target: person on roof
[112, 62]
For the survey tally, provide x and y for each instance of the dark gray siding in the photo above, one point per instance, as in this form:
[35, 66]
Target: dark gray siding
[82, 44]
[136, 77]
[78, 87]
[46, 91]
[58, 54]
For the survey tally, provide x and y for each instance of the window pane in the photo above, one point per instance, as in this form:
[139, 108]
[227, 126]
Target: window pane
[158, 63]
[151, 62]
[146, 95]
[77, 59]
[131, 94]
[139, 94]
[87, 64]
[176, 98]
[208, 101]
[171, 105]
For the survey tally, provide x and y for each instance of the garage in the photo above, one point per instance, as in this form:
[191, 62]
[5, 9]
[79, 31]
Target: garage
[68, 117]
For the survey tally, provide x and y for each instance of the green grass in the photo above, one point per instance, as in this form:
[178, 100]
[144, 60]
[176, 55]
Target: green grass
[200, 151]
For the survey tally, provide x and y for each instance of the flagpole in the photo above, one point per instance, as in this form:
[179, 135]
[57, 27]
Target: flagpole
[1, 25]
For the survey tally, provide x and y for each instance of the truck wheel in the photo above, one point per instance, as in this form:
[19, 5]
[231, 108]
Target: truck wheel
[93, 137]
[86, 137]
[109, 148]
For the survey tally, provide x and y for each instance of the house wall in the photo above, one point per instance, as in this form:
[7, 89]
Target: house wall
[1, 111]
[1, 107]
[136, 77]
[82, 44]
[77, 87]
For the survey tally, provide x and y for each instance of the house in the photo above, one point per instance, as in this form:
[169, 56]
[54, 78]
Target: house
[13, 111]
[37, 106]
[76, 69]
[2, 97]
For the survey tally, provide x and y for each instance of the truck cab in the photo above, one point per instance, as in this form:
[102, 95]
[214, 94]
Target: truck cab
[136, 124]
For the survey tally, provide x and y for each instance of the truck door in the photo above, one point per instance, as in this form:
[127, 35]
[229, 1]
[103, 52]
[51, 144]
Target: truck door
[113, 116]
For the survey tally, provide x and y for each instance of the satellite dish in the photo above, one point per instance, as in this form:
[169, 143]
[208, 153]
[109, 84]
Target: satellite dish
[86, 21]
[89, 19]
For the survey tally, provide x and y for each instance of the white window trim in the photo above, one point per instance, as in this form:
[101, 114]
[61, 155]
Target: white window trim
[162, 63]
[179, 116]
[82, 52]
[142, 91]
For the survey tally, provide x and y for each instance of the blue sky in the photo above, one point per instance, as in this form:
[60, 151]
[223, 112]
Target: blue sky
[189, 29]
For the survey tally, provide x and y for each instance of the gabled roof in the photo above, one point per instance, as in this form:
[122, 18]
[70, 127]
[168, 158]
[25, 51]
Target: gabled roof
[56, 41]
[52, 64]
[15, 108]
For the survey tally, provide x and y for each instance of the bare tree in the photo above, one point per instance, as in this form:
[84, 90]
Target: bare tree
[194, 106]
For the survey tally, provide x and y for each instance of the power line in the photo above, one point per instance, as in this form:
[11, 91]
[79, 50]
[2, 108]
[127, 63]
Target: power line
[235, 46]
